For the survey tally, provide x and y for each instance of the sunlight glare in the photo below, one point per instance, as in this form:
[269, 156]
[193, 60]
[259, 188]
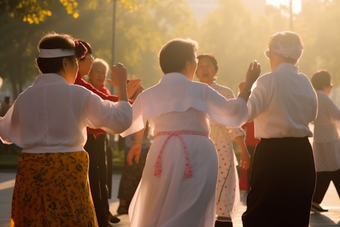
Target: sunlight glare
[277, 3]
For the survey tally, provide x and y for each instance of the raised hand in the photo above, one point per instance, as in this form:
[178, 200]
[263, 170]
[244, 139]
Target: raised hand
[119, 79]
[253, 73]
[133, 85]
[118, 75]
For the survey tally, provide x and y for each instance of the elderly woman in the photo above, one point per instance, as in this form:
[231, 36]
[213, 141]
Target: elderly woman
[326, 142]
[94, 143]
[282, 104]
[97, 147]
[179, 179]
[48, 121]
[97, 74]
[227, 190]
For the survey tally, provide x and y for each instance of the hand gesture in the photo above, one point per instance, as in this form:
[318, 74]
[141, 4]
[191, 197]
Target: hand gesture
[118, 75]
[133, 85]
[253, 73]
[134, 153]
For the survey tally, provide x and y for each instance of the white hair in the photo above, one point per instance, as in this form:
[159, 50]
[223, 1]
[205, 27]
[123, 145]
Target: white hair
[100, 61]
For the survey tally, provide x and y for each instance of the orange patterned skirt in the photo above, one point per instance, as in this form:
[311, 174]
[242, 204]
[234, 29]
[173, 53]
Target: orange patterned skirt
[53, 190]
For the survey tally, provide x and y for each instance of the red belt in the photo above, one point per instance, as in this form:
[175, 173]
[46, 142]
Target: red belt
[158, 165]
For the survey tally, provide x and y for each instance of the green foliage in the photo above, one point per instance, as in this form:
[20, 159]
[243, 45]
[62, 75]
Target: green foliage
[318, 26]
[36, 11]
[236, 38]
[231, 32]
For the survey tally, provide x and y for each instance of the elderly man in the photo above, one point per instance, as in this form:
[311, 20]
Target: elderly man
[101, 157]
[282, 104]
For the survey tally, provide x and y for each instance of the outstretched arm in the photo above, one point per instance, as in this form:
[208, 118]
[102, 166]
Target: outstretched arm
[245, 157]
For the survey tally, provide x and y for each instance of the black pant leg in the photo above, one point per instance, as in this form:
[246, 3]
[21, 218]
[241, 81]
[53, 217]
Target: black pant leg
[251, 150]
[322, 183]
[282, 184]
[94, 176]
[102, 163]
[336, 180]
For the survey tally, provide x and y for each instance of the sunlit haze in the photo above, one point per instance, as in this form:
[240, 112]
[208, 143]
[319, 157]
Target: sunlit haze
[296, 4]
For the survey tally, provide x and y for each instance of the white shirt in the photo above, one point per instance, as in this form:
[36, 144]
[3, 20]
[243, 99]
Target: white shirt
[51, 116]
[282, 104]
[327, 123]
[326, 141]
[176, 93]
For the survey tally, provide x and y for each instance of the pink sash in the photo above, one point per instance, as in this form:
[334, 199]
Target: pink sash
[158, 165]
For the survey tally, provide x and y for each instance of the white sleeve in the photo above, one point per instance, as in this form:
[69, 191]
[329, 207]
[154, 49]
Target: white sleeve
[7, 130]
[137, 118]
[114, 117]
[232, 112]
[332, 109]
[258, 100]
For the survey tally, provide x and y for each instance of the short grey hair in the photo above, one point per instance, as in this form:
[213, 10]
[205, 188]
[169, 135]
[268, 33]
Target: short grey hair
[100, 61]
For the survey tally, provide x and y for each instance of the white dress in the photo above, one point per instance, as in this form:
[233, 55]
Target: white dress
[326, 141]
[227, 189]
[180, 192]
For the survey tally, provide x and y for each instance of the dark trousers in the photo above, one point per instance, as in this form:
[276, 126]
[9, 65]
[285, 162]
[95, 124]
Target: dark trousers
[130, 179]
[251, 150]
[96, 149]
[323, 179]
[282, 183]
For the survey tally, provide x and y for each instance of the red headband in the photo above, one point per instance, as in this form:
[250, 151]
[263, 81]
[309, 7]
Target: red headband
[78, 43]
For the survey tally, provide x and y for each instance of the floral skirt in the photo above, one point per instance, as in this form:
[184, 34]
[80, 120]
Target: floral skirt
[53, 190]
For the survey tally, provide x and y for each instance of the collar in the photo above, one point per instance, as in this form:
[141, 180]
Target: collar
[47, 78]
[287, 67]
[174, 77]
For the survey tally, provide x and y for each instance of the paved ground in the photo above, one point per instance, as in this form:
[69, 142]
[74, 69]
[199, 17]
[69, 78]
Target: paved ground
[331, 202]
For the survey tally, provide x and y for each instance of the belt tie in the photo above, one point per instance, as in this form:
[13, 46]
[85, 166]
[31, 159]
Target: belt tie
[158, 165]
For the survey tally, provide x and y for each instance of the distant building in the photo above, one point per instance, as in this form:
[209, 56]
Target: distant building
[201, 8]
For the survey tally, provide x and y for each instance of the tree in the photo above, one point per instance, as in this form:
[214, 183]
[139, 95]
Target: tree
[140, 34]
[235, 37]
[36, 11]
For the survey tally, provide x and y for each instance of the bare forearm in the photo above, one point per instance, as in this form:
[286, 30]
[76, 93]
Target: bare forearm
[241, 144]
[122, 93]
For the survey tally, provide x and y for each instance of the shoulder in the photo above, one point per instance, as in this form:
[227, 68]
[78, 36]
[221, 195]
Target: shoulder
[323, 98]
[198, 84]
[79, 89]
[267, 77]
[223, 90]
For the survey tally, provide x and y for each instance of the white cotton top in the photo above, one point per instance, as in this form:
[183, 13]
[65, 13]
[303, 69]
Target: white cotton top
[282, 104]
[51, 116]
[176, 93]
[326, 141]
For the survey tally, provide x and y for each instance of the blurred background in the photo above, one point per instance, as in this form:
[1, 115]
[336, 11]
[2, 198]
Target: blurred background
[133, 31]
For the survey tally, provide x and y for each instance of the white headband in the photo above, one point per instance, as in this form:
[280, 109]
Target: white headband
[55, 53]
[293, 52]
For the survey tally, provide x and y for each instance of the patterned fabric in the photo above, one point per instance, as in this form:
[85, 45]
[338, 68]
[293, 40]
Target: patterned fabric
[130, 178]
[52, 190]
[227, 188]
[131, 175]
[326, 140]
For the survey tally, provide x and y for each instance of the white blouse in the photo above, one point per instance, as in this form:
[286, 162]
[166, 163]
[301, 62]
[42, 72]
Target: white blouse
[228, 94]
[176, 93]
[326, 141]
[51, 116]
[282, 104]
[327, 123]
